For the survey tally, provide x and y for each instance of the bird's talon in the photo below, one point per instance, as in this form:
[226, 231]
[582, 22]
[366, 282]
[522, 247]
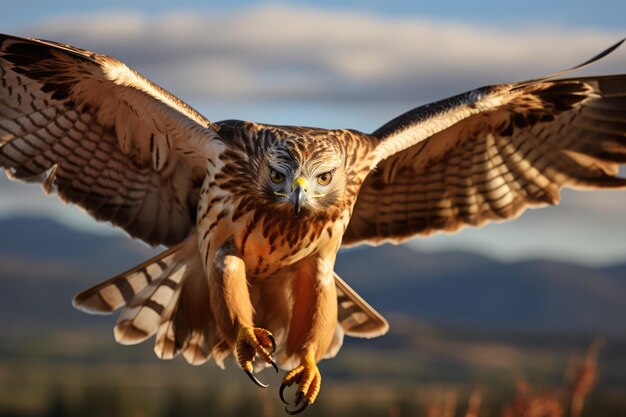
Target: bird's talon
[273, 342]
[299, 396]
[281, 392]
[308, 379]
[298, 410]
[250, 343]
[255, 380]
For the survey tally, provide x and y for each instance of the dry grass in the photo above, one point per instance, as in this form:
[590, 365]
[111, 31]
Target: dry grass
[134, 388]
[529, 401]
[585, 375]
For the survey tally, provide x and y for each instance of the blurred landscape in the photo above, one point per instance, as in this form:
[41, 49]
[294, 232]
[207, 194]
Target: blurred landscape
[469, 336]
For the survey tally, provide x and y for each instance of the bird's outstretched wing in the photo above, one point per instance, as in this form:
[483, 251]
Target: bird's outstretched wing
[490, 153]
[103, 137]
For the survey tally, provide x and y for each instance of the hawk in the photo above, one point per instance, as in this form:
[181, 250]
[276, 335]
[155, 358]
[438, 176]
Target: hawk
[253, 215]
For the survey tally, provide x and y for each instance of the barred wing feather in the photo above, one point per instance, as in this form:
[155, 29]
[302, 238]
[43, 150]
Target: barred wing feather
[103, 137]
[489, 154]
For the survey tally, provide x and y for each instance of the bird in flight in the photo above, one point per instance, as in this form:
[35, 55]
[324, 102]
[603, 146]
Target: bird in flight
[253, 215]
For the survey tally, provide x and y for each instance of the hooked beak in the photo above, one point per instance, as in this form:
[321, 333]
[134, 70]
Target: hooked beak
[299, 189]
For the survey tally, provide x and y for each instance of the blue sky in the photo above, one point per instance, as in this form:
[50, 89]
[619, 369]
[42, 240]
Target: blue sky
[602, 14]
[350, 64]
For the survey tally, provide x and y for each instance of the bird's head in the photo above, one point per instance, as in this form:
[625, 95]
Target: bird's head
[306, 175]
[305, 188]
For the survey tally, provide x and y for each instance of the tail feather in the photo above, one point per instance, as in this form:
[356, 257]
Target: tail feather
[143, 314]
[168, 296]
[355, 315]
[165, 346]
[116, 292]
[193, 330]
[197, 350]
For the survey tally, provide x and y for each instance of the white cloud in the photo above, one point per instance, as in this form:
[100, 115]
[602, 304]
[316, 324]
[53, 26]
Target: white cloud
[274, 52]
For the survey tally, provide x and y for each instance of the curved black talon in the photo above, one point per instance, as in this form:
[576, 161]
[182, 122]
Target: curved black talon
[274, 366]
[299, 396]
[298, 410]
[273, 342]
[281, 392]
[255, 380]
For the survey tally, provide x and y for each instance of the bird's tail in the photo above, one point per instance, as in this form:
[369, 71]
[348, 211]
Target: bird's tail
[355, 315]
[167, 296]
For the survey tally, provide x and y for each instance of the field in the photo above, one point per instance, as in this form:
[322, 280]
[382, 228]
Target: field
[417, 370]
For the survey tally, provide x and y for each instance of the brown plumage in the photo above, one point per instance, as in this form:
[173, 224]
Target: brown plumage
[254, 214]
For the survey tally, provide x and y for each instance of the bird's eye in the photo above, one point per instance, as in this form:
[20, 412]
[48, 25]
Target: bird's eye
[325, 178]
[277, 177]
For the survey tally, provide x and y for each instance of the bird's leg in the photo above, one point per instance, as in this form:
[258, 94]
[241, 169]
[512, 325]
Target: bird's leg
[311, 329]
[233, 311]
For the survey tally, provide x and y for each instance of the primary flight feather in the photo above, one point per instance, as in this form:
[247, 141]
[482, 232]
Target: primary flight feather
[254, 214]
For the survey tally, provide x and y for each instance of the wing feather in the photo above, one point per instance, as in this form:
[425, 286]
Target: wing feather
[489, 154]
[103, 137]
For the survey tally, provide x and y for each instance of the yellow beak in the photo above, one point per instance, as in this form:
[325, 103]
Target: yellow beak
[300, 182]
[299, 189]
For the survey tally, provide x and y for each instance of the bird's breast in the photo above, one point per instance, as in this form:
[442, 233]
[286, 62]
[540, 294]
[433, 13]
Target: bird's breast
[269, 245]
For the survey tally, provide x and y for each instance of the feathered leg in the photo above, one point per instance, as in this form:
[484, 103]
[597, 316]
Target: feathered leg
[312, 327]
[233, 311]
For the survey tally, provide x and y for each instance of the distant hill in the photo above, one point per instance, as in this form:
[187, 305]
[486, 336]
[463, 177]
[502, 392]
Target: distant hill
[470, 290]
[43, 264]
[44, 239]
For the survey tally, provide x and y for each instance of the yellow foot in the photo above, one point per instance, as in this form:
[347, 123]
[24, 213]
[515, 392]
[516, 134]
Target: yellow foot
[309, 381]
[252, 341]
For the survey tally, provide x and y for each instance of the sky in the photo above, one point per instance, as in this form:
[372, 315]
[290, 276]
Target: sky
[354, 64]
